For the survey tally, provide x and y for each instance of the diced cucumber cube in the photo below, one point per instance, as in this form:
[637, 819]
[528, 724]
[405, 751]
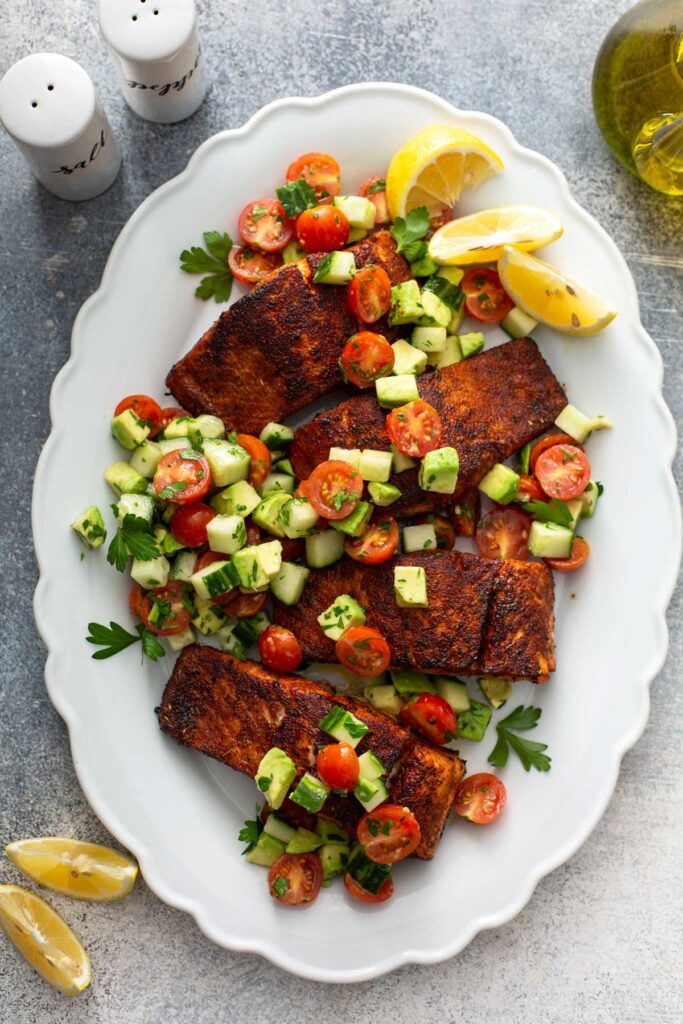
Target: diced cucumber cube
[575, 423]
[453, 275]
[324, 548]
[183, 566]
[267, 513]
[145, 458]
[550, 540]
[284, 466]
[500, 484]
[257, 565]
[375, 465]
[173, 444]
[419, 538]
[518, 324]
[452, 353]
[279, 828]
[350, 455]
[179, 640]
[205, 427]
[454, 692]
[230, 642]
[471, 344]
[435, 313]
[370, 766]
[226, 534]
[266, 851]
[288, 585]
[304, 841]
[274, 775]
[439, 471]
[228, 462]
[292, 253]
[276, 436]
[410, 586]
[123, 479]
[336, 268]
[310, 794]
[456, 321]
[129, 430]
[385, 698]
[298, 517]
[330, 832]
[356, 235]
[139, 505]
[343, 726]
[90, 527]
[342, 613]
[383, 494]
[369, 875]
[151, 573]
[249, 630]
[334, 857]
[178, 427]
[275, 482]
[359, 212]
[370, 793]
[209, 618]
[412, 682]
[214, 579]
[523, 457]
[239, 499]
[401, 461]
[589, 499]
[496, 691]
[406, 303]
[398, 390]
[355, 524]
[408, 359]
[473, 723]
[429, 339]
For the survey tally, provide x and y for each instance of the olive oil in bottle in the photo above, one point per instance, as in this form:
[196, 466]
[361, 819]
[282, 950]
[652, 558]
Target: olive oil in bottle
[638, 92]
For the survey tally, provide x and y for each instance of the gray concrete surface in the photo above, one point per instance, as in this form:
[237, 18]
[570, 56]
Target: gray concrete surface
[601, 939]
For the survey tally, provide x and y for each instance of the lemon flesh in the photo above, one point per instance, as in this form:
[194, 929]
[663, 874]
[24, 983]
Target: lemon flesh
[87, 871]
[435, 166]
[551, 297]
[44, 939]
[481, 237]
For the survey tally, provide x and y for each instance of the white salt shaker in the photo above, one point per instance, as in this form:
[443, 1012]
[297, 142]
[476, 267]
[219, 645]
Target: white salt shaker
[155, 48]
[49, 107]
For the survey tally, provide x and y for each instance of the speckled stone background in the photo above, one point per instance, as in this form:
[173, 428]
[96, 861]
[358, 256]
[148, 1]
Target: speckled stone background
[602, 938]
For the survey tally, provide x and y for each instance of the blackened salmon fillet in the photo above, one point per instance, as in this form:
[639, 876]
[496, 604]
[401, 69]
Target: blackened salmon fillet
[484, 616]
[277, 349]
[490, 406]
[235, 711]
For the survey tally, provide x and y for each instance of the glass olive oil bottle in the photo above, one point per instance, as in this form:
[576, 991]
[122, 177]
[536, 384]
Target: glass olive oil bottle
[638, 92]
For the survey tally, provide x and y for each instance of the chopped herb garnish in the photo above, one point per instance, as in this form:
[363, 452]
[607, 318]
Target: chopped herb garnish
[190, 455]
[281, 885]
[552, 511]
[250, 832]
[264, 782]
[258, 210]
[132, 537]
[115, 638]
[296, 196]
[407, 231]
[169, 492]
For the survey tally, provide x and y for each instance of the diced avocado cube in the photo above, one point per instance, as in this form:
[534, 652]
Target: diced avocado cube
[123, 479]
[435, 312]
[424, 267]
[279, 828]
[239, 499]
[183, 565]
[275, 482]
[500, 484]
[214, 579]
[90, 527]
[350, 455]
[342, 613]
[310, 794]
[139, 505]
[209, 618]
[418, 538]
[439, 471]
[274, 775]
[375, 465]
[205, 427]
[412, 682]
[151, 573]
[145, 458]
[397, 390]
[178, 427]
[288, 585]
[335, 268]
[473, 723]
[429, 339]
[267, 513]
[574, 507]
[177, 641]
[549, 540]
[343, 726]
[304, 841]
[129, 430]
[408, 359]
[266, 850]
[356, 235]
[297, 517]
[228, 462]
[284, 466]
[589, 499]
[370, 766]
[324, 548]
[496, 691]
[575, 423]
[456, 321]
[454, 692]
[370, 793]
[330, 832]
[383, 494]
[359, 212]
[226, 534]
[523, 456]
[518, 324]
[369, 875]
[453, 275]
[250, 573]
[471, 343]
[270, 557]
[334, 857]
[401, 461]
[355, 524]
[452, 353]
[406, 303]
[276, 436]
[385, 698]
[410, 586]
[292, 253]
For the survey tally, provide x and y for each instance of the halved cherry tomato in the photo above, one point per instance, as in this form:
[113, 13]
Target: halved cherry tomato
[548, 442]
[485, 297]
[504, 533]
[145, 408]
[370, 294]
[253, 532]
[319, 170]
[249, 266]
[292, 549]
[356, 890]
[415, 428]
[260, 457]
[480, 798]
[374, 189]
[171, 412]
[265, 225]
[322, 229]
[334, 489]
[389, 834]
[363, 650]
[338, 766]
[365, 358]
[563, 471]
[180, 479]
[189, 523]
[529, 489]
[580, 552]
[465, 511]
[295, 878]
[445, 534]
[431, 716]
[206, 558]
[378, 543]
[171, 616]
[279, 649]
[242, 606]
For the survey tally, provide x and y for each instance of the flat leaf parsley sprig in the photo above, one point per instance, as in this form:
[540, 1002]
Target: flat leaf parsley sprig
[530, 753]
[132, 537]
[213, 262]
[114, 638]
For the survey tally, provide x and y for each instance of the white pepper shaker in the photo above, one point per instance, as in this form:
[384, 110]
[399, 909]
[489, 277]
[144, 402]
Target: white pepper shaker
[49, 107]
[155, 48]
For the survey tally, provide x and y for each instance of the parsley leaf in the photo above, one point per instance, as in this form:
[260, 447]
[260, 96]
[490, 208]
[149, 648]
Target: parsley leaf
[296, 196]
[213, 263]
[169, 492]
[132, 537]
[281, 885]
[378, 185]
[111, 640]
[150, 645]
[410, 229]
[250, 832]
[530, 753]
[339, 499]
[258, 210]
[552, 511]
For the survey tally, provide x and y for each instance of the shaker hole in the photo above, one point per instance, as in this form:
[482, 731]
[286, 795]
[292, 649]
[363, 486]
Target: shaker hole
[156, 12]
[34, 104]
[135, 17]
[50, 88]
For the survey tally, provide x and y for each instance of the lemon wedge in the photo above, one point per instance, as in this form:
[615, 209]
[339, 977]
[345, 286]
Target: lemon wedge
[435, 166]
[44, 939]
[551, 297]
[481, 237]
[84, 870]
